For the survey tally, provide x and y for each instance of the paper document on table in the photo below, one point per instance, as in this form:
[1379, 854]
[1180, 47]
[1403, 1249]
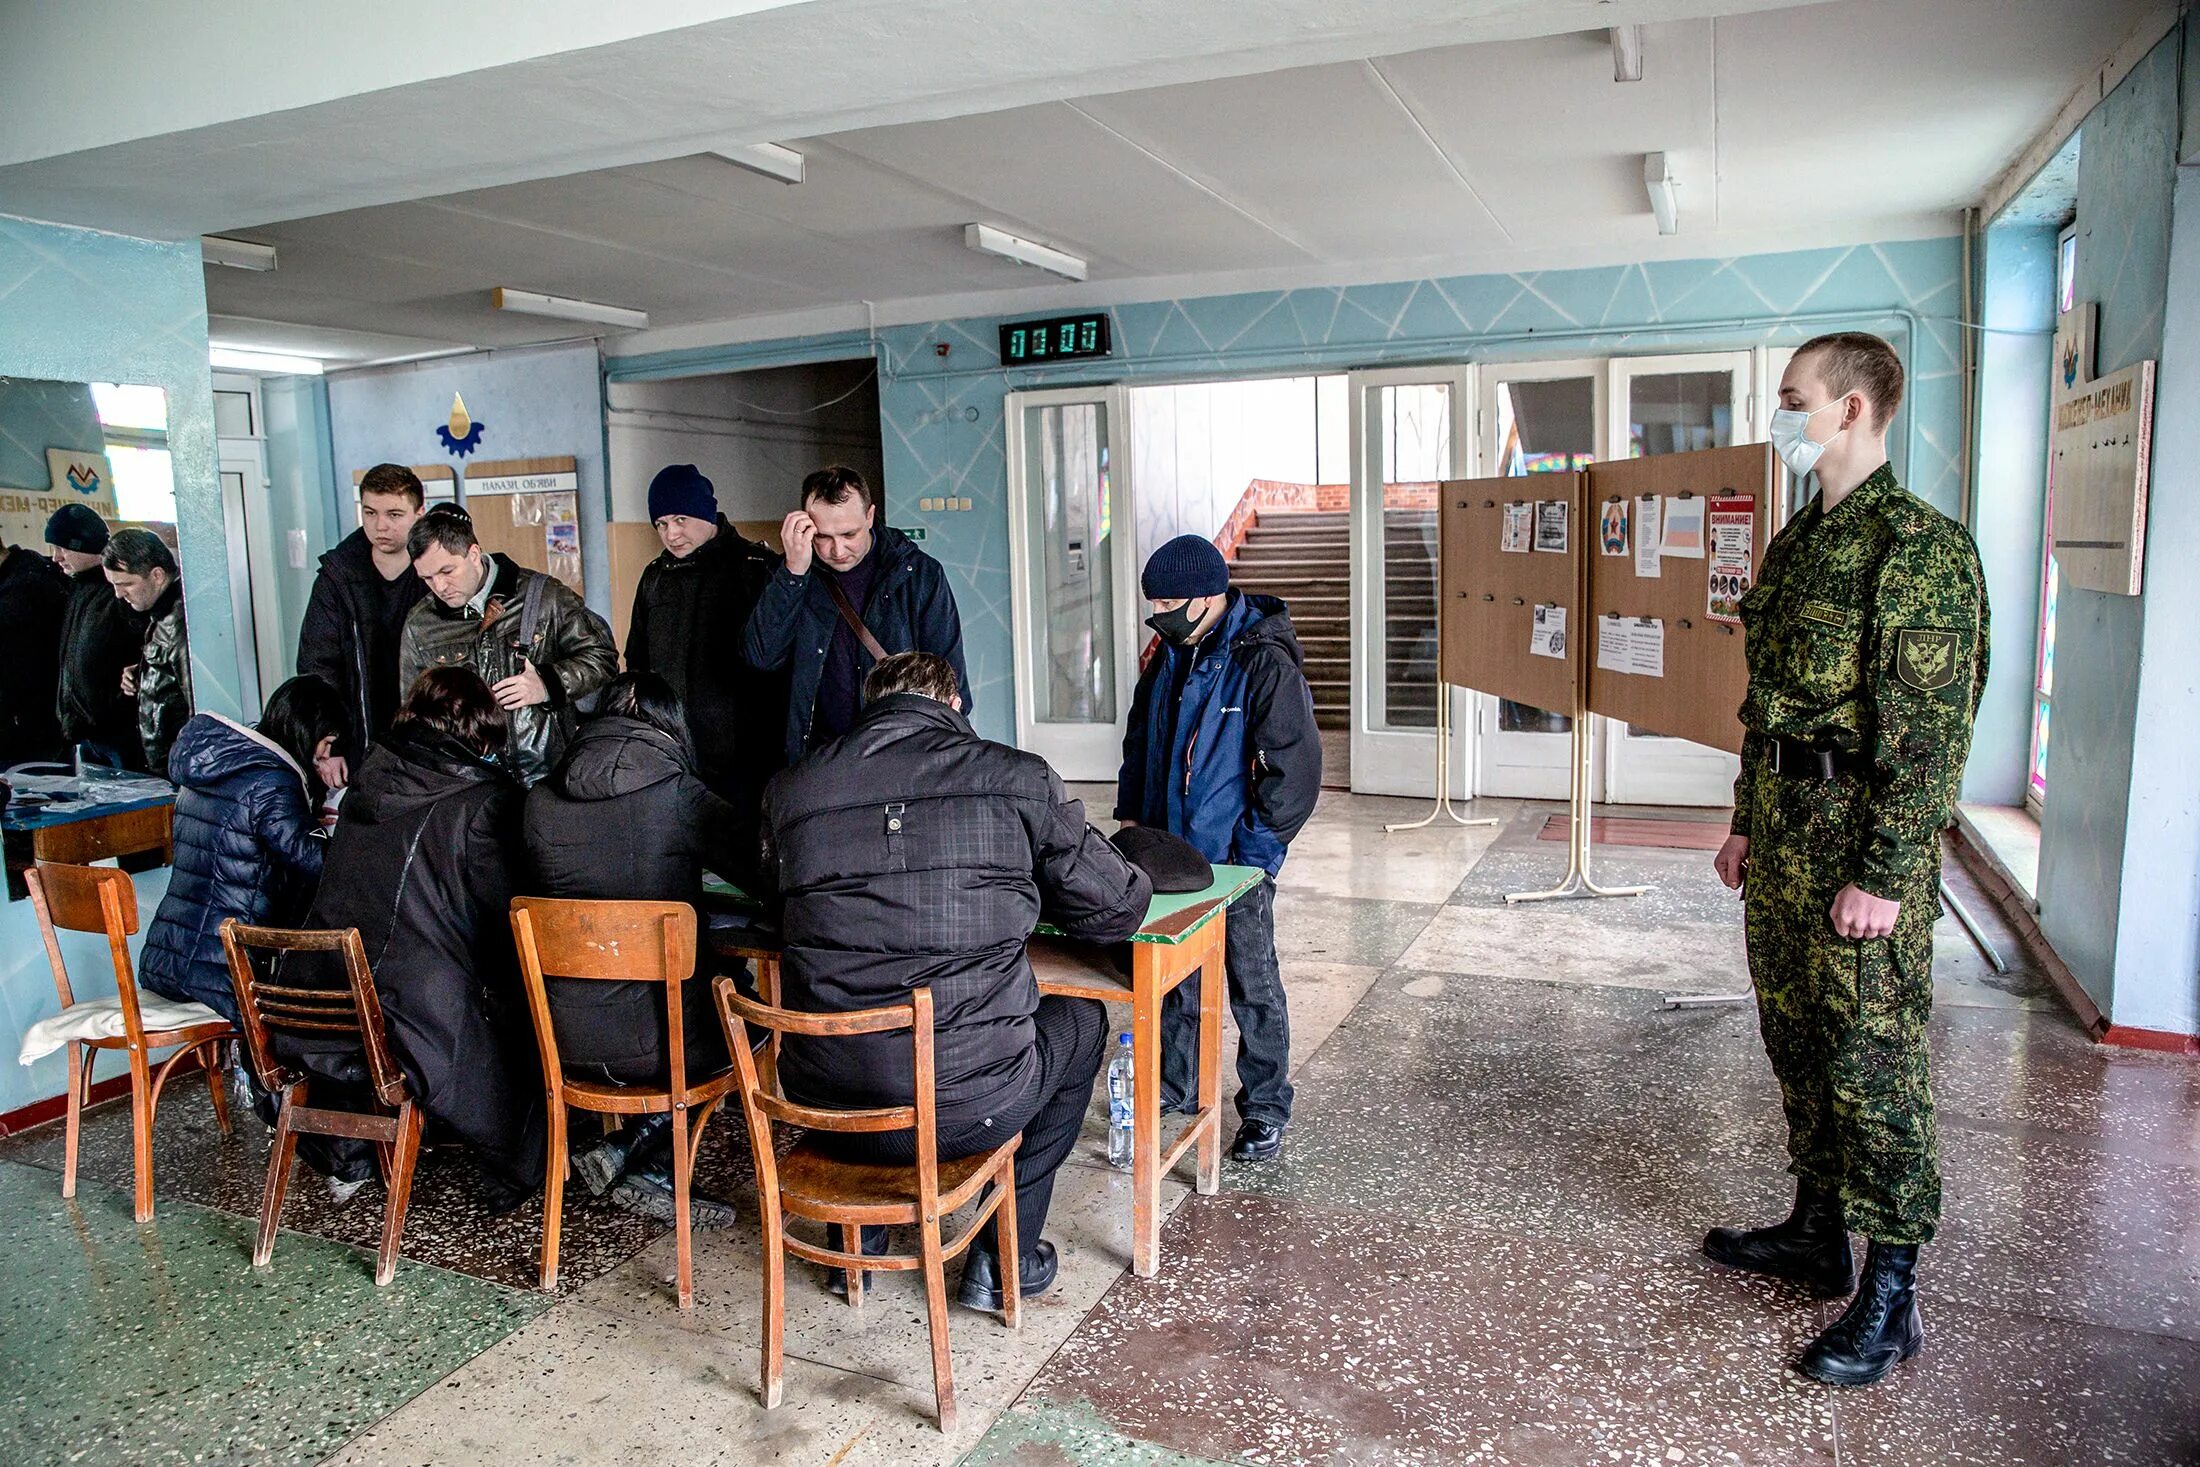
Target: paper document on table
[1549, 637]
[1646, 537]
[1615, 644]
[1646, 647]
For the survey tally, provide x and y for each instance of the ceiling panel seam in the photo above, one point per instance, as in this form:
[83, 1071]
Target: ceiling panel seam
[1413, 115]
[1213, 191]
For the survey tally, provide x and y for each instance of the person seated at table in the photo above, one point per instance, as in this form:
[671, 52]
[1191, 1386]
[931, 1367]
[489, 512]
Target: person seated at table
[910, 851]
[422, 862]
[625, 817]
[247, 834]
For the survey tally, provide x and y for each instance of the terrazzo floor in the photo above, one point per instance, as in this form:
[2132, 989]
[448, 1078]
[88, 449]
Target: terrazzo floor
[1479, 1245]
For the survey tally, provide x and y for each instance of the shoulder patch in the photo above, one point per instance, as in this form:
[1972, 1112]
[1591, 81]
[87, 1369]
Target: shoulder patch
[1926, 659]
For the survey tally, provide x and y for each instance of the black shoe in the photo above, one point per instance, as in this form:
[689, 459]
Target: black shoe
[602, 1165]
[1879, 1330]
[500, 1198]
[874, 1246]
[1811, 1248]
[649, 1194]
[1257, 1141]
[981, 1280]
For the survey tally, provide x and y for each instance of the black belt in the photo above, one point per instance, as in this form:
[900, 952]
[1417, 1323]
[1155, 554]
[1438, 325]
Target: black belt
[1796, 760]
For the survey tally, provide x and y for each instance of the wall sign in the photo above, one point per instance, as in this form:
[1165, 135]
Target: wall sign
[2103, 431]
[1059, 338]
[79, 476]
[462, 434]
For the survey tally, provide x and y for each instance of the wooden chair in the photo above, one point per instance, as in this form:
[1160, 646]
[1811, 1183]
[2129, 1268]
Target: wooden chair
[103, 900]
[288, 1003]
[650, 942]
[807, 1183]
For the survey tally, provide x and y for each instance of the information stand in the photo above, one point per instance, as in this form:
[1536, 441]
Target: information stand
[529, 508]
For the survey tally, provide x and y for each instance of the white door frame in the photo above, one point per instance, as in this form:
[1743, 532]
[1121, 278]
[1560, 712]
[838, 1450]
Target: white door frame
[1394, 761]
[1083, 752]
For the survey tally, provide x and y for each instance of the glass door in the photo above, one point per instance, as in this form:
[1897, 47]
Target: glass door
[1676, 404]
[1537, 418]
[1405, 429]
[1072, 582]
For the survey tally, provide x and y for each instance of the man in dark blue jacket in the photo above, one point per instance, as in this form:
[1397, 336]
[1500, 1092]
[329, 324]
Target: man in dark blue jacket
[1222, 750]
[849, 593]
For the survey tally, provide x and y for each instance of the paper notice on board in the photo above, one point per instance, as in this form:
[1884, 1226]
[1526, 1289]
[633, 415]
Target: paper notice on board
[1683, 528]
[1733, 538]
[1646, 647]
[1519, 529]
[1646, 537]
[1612, 528]
[1548, 639]
[1615, 645]
[1550, 526]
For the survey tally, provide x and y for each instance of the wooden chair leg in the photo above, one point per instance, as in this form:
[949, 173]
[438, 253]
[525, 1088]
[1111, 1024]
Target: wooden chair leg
[851, 1241]
[553, 1193]
[141, 1133]
[80, 1085]
[407, 1150]
[1011, 1250]
[279, 1158]
[683, 1225]
[935, 1303]
[774, 1382]
[211, 1056]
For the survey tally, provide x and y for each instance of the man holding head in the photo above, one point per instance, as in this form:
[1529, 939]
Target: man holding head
[1867, 647]
[142, 570]
[356, 614]
[849, 593]
[524, 632]
[100, 636]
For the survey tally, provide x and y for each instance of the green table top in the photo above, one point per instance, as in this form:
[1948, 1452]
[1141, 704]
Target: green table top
[1230, 883]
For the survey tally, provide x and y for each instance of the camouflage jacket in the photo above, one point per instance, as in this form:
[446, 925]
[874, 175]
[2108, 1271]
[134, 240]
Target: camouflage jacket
[1867, 633]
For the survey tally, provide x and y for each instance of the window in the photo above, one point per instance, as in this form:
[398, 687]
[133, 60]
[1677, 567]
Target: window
[134, 421]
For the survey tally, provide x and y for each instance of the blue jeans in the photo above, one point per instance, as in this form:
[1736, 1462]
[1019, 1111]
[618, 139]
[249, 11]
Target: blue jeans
[1256, 1001]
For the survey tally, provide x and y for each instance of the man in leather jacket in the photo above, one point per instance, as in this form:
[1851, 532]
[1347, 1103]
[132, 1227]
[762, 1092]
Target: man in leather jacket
[143, 572]
[527, 634]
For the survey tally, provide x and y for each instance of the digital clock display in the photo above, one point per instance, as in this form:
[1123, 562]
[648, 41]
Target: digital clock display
[1055, 340]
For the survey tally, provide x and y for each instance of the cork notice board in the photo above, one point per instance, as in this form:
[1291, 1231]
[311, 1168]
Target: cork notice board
[1705, 674]
[529, 508]
[1490, 595]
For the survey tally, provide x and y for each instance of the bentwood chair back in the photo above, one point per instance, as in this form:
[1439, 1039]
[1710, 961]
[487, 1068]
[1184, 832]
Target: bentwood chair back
[808, 1183]
[649, 942]
[102, 900]
[297, 999]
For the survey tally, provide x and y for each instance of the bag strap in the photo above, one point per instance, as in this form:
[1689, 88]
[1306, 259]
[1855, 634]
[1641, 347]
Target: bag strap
[530, 611]
[855, 623]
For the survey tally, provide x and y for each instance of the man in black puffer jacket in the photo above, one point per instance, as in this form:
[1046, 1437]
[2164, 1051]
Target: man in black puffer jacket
[912, 852]
[100, 636]
[34, 596]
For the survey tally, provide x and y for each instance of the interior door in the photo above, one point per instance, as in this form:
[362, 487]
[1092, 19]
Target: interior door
[1538, 417]
[1072, 581]
[238, 525]
[1407, 431]
[1675, 404]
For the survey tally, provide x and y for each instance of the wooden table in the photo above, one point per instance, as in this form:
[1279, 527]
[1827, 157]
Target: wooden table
[89, 820]
[1182, 935]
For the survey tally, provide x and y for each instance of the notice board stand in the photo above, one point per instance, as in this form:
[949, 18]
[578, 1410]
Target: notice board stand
[529, 508]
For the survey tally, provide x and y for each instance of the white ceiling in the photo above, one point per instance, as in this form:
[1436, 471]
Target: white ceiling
[1852, 120]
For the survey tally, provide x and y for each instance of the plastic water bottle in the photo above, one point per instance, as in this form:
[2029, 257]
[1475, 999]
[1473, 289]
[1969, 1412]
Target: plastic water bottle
[1119, 1105]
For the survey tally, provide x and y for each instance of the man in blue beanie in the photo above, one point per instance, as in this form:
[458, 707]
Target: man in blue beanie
[691, 612]
[1222, 750]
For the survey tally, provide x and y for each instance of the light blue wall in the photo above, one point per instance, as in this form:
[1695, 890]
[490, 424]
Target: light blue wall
[941, 418]
[2126, 173]
[301, 492]
[531, 403]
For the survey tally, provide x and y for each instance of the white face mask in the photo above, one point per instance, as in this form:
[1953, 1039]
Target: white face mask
[1792, 441]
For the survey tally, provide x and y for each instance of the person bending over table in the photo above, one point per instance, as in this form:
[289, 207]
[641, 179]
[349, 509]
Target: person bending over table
[910, 851]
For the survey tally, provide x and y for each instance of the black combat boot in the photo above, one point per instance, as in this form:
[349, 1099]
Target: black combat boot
[1811, 1247]
[1879, 1330]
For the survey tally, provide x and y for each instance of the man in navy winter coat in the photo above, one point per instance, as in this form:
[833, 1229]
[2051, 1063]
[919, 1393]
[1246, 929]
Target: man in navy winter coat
[837, 556]
[1222, 750]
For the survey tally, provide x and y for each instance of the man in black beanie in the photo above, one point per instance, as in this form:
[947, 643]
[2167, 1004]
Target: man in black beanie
[33, 597]
[100, 636]
[1222, 750]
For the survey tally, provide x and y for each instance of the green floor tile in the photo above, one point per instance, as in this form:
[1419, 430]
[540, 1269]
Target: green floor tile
[1040, 1435]
[161, 1343]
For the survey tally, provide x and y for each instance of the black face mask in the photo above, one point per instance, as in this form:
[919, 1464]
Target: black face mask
[1175, 626]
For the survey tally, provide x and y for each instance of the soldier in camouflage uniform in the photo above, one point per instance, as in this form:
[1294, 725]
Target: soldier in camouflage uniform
[1867, 634]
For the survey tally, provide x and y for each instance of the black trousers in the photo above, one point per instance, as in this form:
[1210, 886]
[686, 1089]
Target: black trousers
[1257, 1001]
[1072, 1035]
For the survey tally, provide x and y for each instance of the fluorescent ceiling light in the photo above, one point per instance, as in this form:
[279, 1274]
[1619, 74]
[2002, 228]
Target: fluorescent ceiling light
[558, 307]
[238, 254]
[237, 360]
[1657, 179]
[769, 159]
[987, 240]
[1626, 53]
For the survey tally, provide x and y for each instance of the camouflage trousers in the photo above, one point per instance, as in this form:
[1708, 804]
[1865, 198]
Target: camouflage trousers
[1843, 1021]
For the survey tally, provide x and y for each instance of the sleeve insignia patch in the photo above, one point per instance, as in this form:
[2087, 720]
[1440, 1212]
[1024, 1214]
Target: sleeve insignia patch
[1926, 660]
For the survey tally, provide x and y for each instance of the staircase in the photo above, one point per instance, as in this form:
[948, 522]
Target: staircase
[1304, 559]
